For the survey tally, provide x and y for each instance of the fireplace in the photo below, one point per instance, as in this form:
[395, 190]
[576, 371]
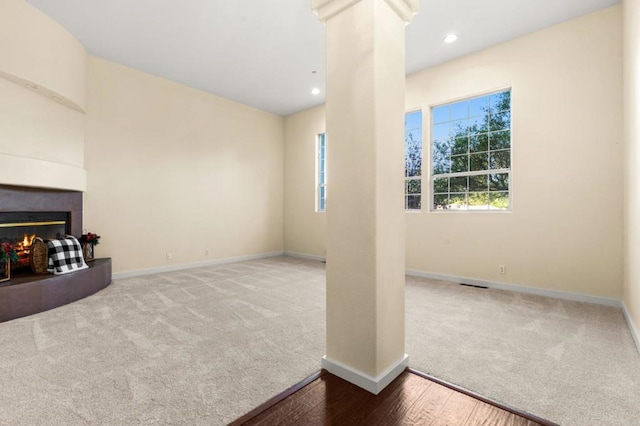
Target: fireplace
[21, 228]
[29, 212]
[47, 213]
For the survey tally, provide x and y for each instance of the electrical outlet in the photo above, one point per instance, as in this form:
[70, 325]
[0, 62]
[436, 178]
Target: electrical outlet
[169, 255]
[503, 269]
[206, 252]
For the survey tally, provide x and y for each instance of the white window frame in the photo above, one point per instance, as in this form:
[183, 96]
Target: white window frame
[508, 171]
[321, 173]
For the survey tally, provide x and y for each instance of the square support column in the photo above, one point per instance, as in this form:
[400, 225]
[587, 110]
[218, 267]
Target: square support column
[365, 191]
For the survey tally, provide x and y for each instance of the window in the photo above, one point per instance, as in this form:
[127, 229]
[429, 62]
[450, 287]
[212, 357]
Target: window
[471, 153]
[321, 167]
[413, 160]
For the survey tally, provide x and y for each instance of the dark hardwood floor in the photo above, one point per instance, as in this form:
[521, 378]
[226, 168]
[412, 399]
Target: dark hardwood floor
[411, 399]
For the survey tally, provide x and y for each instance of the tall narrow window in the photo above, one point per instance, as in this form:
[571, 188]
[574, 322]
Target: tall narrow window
[321, 186]
[413, 160]
[471, 160]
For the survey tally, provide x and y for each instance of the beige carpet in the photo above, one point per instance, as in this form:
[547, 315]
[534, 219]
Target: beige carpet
[206, 345]
[570, 362]
[198, 347]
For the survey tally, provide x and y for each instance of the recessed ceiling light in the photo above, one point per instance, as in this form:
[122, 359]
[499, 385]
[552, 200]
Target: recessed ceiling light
[315, 91]
[451, 38]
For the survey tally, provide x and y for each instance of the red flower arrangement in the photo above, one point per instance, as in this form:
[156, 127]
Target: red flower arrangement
[90, 238]
[8, 252]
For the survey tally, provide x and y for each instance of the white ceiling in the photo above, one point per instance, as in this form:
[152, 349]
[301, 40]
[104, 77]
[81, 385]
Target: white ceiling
[262, 52]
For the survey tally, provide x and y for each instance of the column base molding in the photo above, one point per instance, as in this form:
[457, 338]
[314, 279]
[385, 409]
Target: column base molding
[373, 385]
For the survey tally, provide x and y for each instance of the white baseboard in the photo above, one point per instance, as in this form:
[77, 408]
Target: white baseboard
[305, 256]
[557, 294]
[371, 384]
[171, 268]
[369, 381]
[632, 327]
[576, 297]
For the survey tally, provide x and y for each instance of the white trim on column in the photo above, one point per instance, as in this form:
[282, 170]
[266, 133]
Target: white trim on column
[406, 9]
[632, 327]
[371, 384]
[327, 9]
[171, 268]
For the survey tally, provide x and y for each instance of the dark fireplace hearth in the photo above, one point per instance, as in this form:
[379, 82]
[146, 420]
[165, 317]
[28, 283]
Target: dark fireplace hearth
[52, 212]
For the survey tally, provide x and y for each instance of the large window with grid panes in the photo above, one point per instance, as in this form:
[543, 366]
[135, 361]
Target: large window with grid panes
[413, 160]
[471, 154]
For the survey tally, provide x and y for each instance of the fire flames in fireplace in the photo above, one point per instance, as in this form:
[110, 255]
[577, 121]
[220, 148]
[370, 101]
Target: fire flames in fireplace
[23, 248]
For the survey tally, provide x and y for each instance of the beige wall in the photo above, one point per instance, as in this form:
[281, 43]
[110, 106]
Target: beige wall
[632, 158]
[173, 169]
[305, 229]
[41, 139]
[49, 57]
[565, 230]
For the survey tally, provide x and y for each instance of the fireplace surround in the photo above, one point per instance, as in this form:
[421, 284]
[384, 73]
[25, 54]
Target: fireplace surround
[31, 200]
[27, 294]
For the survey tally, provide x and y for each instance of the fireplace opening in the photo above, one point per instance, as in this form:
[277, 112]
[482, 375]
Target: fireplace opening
[21, 228]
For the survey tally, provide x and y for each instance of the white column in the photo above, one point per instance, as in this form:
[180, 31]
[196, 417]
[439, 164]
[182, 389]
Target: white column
[365, 204]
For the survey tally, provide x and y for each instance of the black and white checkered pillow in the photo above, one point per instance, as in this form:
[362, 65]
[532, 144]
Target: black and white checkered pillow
[65, 255]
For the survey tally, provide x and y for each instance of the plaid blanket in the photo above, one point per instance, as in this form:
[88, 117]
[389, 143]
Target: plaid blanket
[65, 255]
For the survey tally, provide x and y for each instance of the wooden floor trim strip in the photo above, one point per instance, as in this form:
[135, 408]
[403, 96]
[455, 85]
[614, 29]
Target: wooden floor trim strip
[271, 403]
[472, 394]
[276, 399]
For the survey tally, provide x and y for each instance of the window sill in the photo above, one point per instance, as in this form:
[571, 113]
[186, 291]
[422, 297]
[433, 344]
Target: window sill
[470, 211]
